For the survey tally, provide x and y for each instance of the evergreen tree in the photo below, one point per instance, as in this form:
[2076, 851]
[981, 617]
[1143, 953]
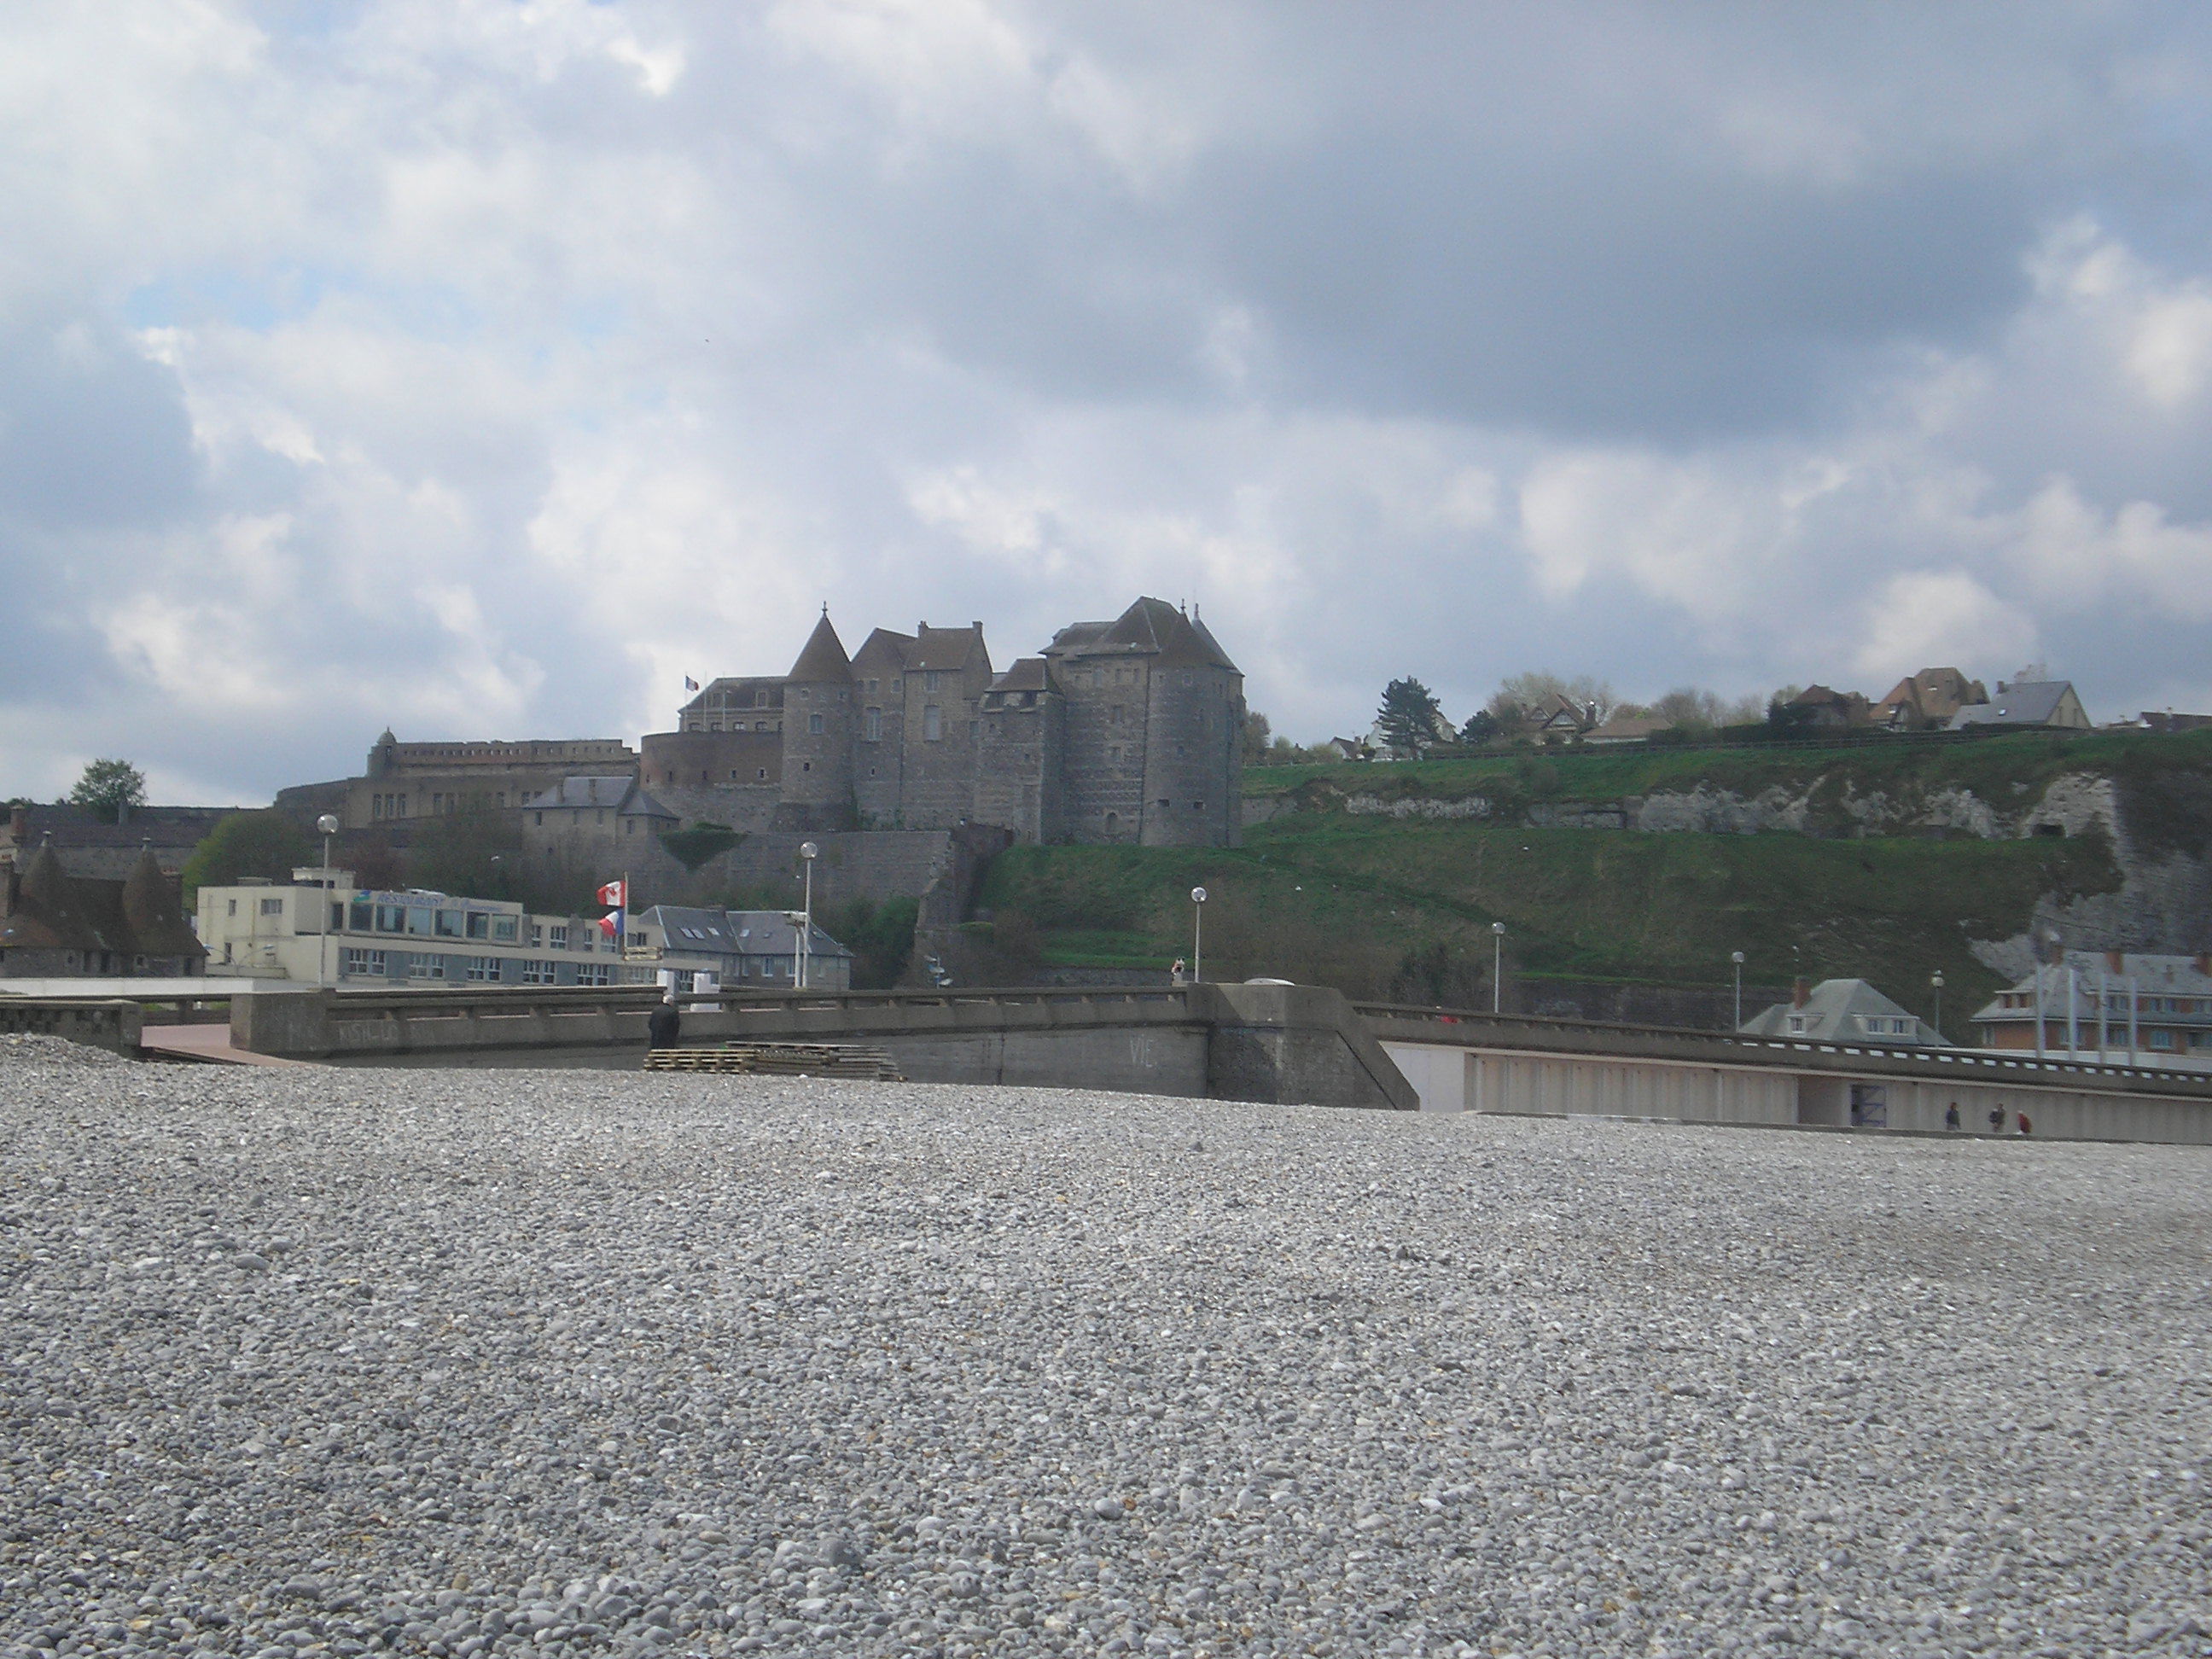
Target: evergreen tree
[1409, 716]
[264, 844]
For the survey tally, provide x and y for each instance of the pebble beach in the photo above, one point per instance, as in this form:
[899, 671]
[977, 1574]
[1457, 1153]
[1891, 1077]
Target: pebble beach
[326, 1361]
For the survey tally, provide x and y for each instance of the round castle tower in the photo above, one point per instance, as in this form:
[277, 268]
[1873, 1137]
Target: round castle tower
[818, 726]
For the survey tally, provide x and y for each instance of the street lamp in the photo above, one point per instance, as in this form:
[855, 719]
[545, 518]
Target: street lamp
[1935, 979]
[1735, 957]
[807, 853]
[1197, 934]
[329, 825]
[1496, 967]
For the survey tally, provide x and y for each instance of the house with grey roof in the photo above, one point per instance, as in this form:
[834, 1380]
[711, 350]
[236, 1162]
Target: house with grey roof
[1848, 1011]
[2027, 704]
[744, 949]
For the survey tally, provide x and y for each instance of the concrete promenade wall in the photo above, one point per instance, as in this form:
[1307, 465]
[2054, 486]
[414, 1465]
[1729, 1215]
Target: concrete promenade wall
[1280, 1043]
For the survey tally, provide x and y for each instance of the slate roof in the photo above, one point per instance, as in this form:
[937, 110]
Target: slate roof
[1835, 1011]
[733, 933]
[2023, 702]
[1150, 627]
[622, 794]
[142, 914]
[823, 660]
[1024, 674]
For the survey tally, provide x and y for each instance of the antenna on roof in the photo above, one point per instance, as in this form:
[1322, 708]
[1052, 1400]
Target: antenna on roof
[825, 607]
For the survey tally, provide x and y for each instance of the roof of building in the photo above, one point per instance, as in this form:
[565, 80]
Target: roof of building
[2022, 702]
[823, 659]
[143, 914]
[1022, 674]
[172, 829]
[1627, 728]
[1835, 1010]
[2146, 973]
[622, 794]
[1933, 693]
[1149, 628]
[733, 933]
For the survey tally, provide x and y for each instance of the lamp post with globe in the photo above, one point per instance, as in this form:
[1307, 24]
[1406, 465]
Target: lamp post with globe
[808, 852]
[1496, 967]
[1197, 934]
[1735, 959]
[329, 826]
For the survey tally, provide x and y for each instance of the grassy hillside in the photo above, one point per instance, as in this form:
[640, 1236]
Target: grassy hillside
[2165, 779]
[1379, 907]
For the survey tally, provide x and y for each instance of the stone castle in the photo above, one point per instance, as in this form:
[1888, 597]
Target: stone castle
[1122, 733]
[1125, 732]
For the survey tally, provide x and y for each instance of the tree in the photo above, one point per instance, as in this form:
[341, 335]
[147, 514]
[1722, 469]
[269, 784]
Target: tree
[1409, 716]
[1480, 728]
[1256, 734]
[475, 851]
[1518, 693]
[108, 788]
[1689, 708]
[264, 844]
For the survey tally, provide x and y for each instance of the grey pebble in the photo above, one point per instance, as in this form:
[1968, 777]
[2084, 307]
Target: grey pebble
[572, 1363]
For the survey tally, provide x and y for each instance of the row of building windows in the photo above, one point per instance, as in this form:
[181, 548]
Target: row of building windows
[362, 961]
[2055, 998]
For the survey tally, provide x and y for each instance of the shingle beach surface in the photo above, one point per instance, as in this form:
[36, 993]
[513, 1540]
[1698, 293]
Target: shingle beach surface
[465, 1363]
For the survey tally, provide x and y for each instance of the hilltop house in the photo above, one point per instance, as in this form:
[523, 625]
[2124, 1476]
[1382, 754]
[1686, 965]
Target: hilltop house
[1928, 700]
[2154, 1008]
[2026, 704]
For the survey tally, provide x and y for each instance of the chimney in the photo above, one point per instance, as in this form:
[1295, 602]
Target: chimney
[1801, 992]
[2204, 962]
[19, 824]
[2115, 962]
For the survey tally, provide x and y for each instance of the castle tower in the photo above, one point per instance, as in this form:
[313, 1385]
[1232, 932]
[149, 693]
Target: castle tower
[818, 736]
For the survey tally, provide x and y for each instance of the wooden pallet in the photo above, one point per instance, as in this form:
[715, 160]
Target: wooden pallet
[829, 1060]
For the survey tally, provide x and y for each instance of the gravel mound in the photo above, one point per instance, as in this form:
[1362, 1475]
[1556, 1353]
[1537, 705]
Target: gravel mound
[28, 1048]
[452, 1362]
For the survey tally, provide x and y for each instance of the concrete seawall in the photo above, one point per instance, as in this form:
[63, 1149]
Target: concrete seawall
[1292, 1044]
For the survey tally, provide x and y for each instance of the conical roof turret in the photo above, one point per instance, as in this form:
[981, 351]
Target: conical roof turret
[823, 660]
[152, 905]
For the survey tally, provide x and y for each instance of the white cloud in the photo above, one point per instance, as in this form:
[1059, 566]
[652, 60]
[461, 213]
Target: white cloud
[1933, 619]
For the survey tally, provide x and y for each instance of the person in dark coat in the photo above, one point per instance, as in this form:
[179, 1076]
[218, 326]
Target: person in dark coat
[1951, 1117]
[664, 1025]
[1996, 1120]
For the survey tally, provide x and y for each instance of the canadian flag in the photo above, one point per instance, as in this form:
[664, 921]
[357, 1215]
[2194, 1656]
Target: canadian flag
[616, 893]
[609, 924]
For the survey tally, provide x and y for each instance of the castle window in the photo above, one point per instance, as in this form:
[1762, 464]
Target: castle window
[932, 723]
[871, 725]
[814, 724]
[875, 687]
[1162, 805]
[929, 680]
[806, 766]
[895, 683]
[1114, 715]
[975, 730]
[762, 775]
[1198, 806]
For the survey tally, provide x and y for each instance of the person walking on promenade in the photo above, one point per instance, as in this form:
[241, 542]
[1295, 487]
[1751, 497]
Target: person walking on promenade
[1951, 1116]
[664, 1025]
[1179, 974]
[1996, 1120]
[2026, 1128]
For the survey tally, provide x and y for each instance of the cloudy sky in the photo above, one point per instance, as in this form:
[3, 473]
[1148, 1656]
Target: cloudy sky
[480, 368]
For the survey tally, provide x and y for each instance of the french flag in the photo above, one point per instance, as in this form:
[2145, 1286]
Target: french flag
[690, 684]
[610, 924]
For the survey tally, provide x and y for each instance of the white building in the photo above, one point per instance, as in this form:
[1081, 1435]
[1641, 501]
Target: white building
[323, 930]
[741, 949]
